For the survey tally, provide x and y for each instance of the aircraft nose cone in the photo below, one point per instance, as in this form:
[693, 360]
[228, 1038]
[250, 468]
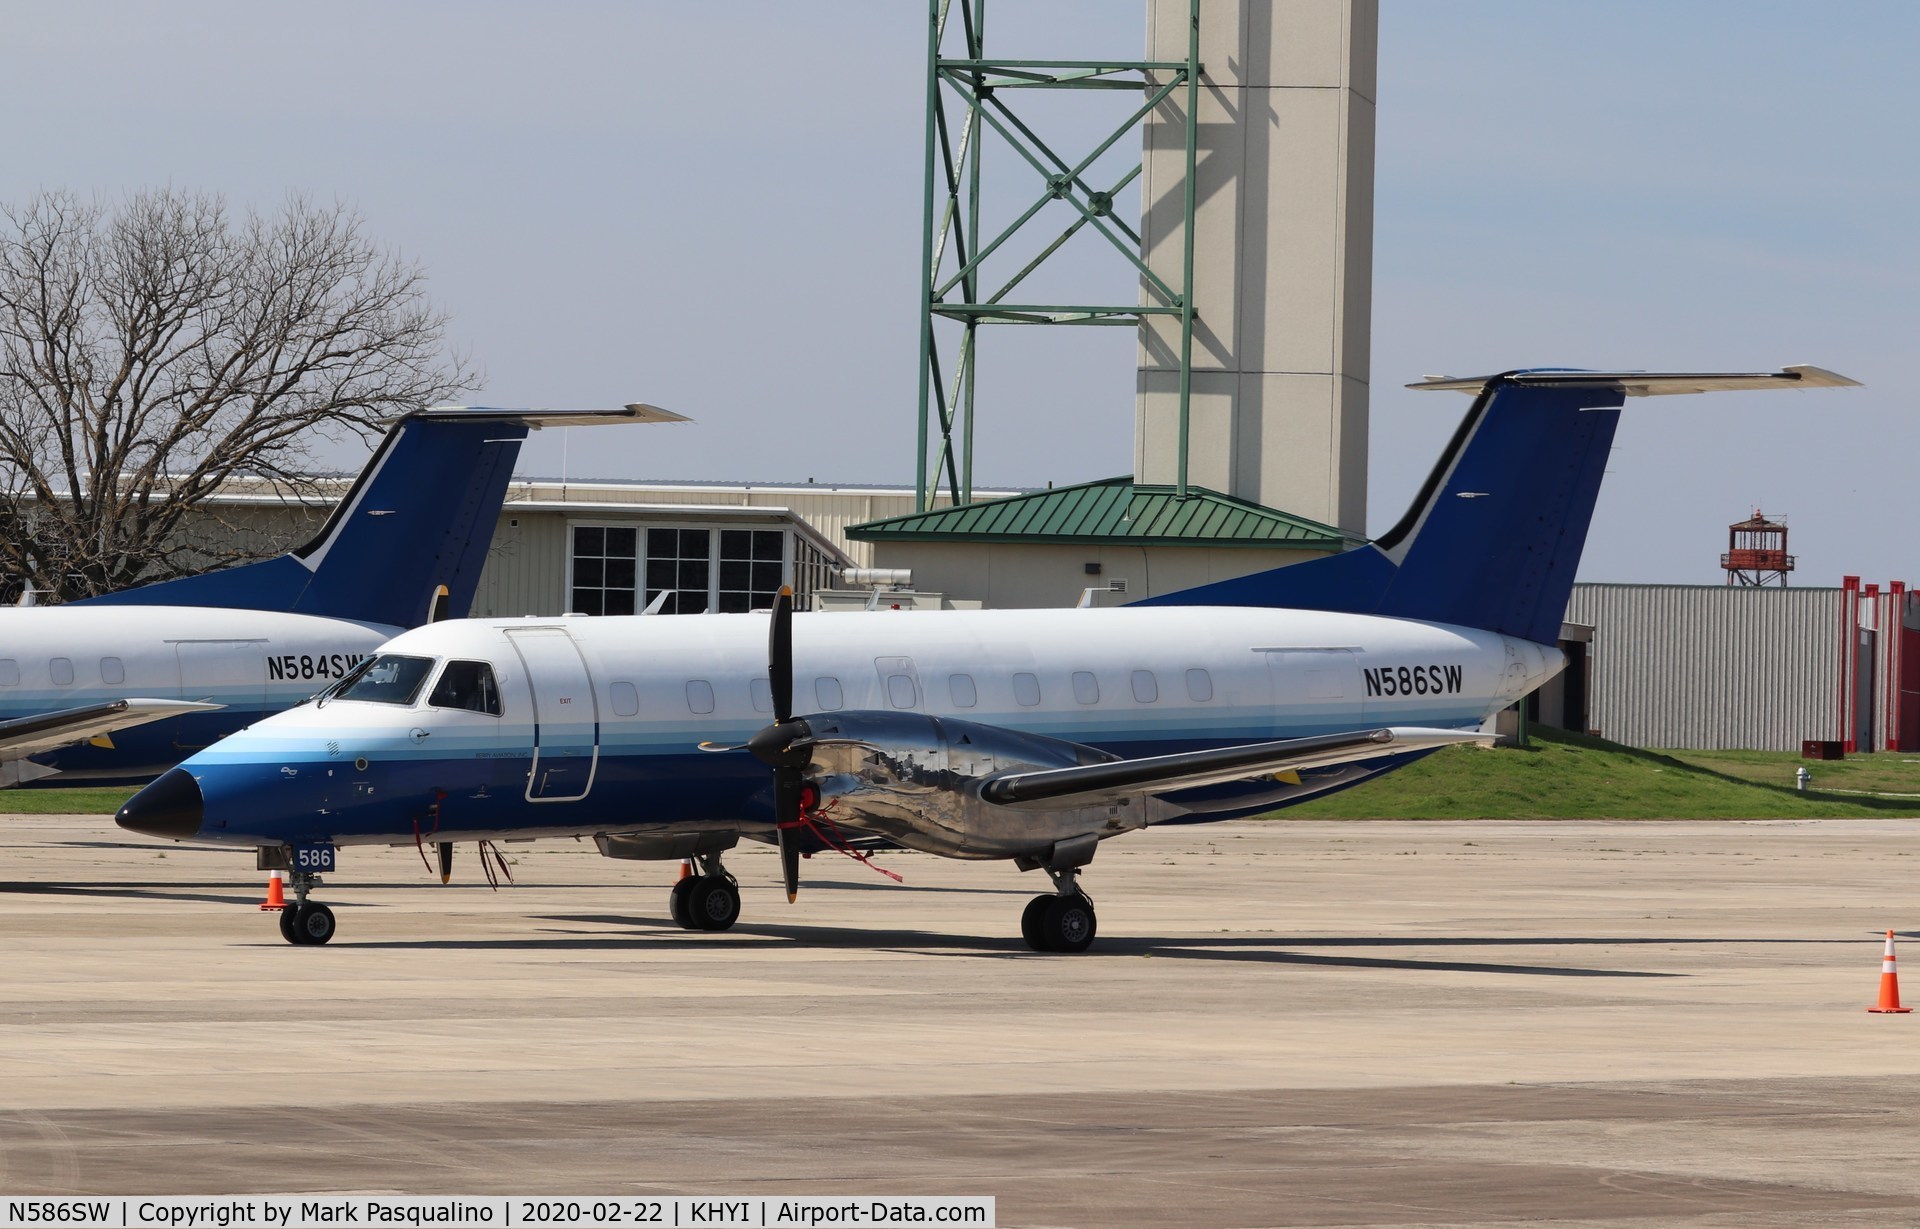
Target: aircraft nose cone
[171, 807]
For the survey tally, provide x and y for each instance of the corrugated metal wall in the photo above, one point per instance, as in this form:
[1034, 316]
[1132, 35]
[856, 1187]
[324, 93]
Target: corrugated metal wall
[1712, 666]
[526, 570]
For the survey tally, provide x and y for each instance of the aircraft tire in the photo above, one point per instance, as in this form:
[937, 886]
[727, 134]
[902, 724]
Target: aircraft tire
[287, 931]
[1067, 924]
[313, 925]
[680, 903]
[714, 903]
[1030, 922]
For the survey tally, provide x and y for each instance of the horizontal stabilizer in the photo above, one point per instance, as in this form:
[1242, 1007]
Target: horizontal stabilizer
[537, 418]
[1649, 383]
[24, 736]
[1098, 784]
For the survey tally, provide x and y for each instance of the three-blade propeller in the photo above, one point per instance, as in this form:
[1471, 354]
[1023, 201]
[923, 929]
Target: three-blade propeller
[786, 746]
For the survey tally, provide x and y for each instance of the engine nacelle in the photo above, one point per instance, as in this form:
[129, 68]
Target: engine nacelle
[916, 780]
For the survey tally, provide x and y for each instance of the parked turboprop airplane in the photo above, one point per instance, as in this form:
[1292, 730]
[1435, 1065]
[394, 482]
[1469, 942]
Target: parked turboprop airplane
[126, 685]
[1029, 735]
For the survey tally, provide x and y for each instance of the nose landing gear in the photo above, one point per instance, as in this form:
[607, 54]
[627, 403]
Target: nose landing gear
[305, 923]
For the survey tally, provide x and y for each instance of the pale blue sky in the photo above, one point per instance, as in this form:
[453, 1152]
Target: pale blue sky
[716, 207]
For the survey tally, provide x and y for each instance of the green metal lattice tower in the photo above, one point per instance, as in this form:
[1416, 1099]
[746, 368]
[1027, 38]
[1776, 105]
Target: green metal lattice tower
[965, 97]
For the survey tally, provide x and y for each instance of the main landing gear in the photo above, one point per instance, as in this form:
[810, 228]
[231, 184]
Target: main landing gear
[1062, 922]
[305, 923]
[708, 899]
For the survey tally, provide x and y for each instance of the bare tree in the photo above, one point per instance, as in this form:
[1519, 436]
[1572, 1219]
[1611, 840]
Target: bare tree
[153, 350]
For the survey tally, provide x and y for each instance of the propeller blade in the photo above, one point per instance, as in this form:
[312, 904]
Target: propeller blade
[446, 861]
[786, 814]
[790, 864]
[780, 655]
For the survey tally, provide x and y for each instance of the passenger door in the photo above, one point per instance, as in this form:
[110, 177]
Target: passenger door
[566, 715]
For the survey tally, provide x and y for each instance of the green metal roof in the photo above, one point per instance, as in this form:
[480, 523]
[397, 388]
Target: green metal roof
[1111, 510]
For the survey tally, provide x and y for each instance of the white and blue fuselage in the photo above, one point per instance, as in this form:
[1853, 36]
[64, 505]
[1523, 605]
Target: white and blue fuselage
[600, 720]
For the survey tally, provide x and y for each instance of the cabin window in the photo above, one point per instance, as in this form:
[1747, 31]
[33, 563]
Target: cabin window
[9, 672]
[751, 567]
[1026, 690]
[901, 692]
[625, 698]
[1146, 688]
[390, 678]
[700, 696]
[61, 668]
[468, 686]
[1199, 686]
[961, 688]
[1086, 688]
[603, 569]
[112, 671]
[761, 692]
[826, 689]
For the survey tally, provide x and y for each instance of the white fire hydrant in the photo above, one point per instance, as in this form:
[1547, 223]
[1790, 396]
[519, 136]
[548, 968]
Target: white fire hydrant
[1800, 777]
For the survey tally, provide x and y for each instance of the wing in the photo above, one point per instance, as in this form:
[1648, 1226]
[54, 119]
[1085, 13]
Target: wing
[24, 736]
[1091, 784]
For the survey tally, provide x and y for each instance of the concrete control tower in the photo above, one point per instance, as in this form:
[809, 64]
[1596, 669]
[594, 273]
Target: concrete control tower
[1283, 255]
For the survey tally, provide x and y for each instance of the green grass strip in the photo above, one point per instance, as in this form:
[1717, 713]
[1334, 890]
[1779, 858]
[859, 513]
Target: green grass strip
[1570, 776]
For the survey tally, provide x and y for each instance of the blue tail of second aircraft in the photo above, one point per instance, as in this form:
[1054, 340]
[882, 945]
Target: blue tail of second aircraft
[420, 515]
[1495, 535]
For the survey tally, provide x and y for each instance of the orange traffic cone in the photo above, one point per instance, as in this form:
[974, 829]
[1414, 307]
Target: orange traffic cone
[276, 892]
[1889, 985]
[686, 868]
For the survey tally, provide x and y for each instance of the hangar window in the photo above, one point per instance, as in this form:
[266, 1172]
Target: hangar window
[751, 568]
[901, 692]
[700, 696]
[1026, 690]
[1086, 688]
[621, 569]
[1146, 688]
[826, 689]
[961, 688]
[1199, 686]
[761, 691]
[603, 569]
[9, 672]
[112, 671]
[680, 561]
[61, 668]
[625, 698]
[468, 686]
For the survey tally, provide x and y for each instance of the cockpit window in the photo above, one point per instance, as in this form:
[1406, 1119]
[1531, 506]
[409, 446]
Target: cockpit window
[467, 685]
[388, 679]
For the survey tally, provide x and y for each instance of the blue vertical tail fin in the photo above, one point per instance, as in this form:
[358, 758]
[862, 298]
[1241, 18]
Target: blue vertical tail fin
[420, 516]
[1494, 537]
